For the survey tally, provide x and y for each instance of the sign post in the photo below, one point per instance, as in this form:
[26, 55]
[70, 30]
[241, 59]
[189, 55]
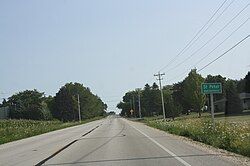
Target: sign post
[212, 108]
[211, 88]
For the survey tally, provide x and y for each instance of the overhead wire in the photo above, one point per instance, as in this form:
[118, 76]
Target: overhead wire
[208, 41]
[222, 42]
[200, 33]
[186, 71]
[190, 43]
[224, 53]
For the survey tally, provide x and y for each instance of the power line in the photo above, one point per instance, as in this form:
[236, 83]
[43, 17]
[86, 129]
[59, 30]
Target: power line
[241, 25]
[222, 42]
[213, 21]
[191, 41]
[224, 53]
[228, 23]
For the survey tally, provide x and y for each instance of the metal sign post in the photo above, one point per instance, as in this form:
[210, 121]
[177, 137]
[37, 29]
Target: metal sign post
[212, 108]
[211, 89]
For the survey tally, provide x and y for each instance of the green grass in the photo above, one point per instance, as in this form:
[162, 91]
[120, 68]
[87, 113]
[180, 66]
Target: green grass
[11, 130]
[231, 133]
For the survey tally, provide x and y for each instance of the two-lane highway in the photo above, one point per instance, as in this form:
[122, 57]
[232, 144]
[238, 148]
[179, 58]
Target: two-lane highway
[115, 141]
[32, 150]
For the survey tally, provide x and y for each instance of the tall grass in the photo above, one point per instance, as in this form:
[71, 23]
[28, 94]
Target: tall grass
[231, 136]
[11, 130]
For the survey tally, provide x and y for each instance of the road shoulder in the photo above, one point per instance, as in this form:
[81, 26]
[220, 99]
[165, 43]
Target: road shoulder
[226, 155]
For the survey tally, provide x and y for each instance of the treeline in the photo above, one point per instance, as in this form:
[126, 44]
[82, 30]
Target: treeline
[31, 104]
[184, 96]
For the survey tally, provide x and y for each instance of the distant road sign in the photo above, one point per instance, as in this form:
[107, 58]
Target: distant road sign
[209, 88]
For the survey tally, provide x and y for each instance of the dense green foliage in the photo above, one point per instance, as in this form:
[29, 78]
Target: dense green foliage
[192, 91]
[233, 104]
[185, 96]
[34, 105]
[150, 102]
[66, 103]
[172, 109]
[29, 104]
[247, 83]
[243, 85]
[217, 79]
[178, 97]
[231, 136]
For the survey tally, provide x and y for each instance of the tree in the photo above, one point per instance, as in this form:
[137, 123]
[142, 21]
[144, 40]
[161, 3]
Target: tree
[66, 105]
[155, 100]
[4, 103]
[130, 102]
[171, 109]
[146, 101]
[241, 85]
[217, 79]
[125, 107]
[247, 83]
[233, 103]
[27, 105]
[192, 91]
[150, 102]
[50, 102]
[178, 97]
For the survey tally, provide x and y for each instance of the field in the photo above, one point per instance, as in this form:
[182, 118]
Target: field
[231, 133]
[11, 130]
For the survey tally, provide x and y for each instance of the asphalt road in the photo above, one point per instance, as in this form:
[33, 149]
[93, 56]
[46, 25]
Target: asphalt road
[112, 141]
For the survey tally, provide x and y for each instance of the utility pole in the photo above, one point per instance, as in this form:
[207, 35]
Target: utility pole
[133, 102]
[159, 75]
[131, 108]
[130, 101]
[79, 109]
[139, 101]
[212, 108]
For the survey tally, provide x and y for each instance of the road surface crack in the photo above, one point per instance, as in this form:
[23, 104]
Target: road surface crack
[65, 147]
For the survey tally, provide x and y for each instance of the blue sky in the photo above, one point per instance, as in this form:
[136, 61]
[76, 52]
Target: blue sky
[112, 46]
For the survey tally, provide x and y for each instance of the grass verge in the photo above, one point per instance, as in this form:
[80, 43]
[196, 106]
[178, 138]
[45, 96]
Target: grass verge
[228, 135]
[12, 130]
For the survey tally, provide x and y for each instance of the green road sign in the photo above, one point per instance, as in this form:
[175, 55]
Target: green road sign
[208, 88]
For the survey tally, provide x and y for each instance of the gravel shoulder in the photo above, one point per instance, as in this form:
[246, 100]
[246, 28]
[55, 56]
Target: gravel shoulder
[236, 158]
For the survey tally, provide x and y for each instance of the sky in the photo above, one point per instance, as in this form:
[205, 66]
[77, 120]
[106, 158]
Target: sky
[114, 46]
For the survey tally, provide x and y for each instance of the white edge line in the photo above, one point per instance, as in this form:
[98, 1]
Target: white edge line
[161, 146]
